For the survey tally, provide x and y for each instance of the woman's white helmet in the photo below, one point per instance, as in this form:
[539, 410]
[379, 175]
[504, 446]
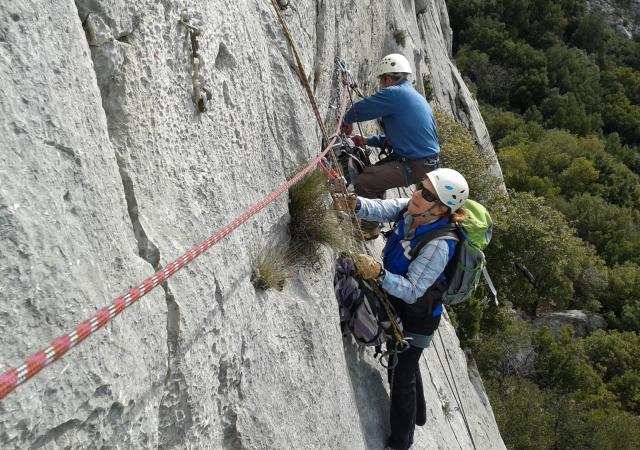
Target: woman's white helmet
[451, 187]
[394, 63]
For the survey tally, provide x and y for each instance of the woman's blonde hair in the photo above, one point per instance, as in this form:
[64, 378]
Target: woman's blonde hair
[459, 215]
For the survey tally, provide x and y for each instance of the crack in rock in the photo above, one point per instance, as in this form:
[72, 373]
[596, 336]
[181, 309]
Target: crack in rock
[67, 151]
[174, 414]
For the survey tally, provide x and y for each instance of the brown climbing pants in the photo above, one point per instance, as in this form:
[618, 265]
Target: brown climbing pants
[375, 180]
[388, 174]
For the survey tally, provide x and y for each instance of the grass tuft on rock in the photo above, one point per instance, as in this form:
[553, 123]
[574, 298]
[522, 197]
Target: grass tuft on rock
[400, 37]
[313, 221]
[273, 266]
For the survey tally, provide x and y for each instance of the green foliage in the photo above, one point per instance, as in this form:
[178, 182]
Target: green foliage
[615, 231]
[508, 129]
[572, 70]
[628, 156]
[586, 423]
[446, 409]
[558, 260]
[627, 389]
[400, 36]
[593, 34]
[622, 298]
[459, 151]
[428, 87]
[566, 112]
[620, 115]
[562, 164]
[578, 176]
[466, 318]
[553, 391]
[522, 412]
[493, 82]
[544, 63]
[312, 221]
[563, 365]
[613, 354]
[506, 349]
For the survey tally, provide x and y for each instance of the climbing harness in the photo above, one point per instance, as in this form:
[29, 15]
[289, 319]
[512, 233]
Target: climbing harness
[201, 95]
[352, 159]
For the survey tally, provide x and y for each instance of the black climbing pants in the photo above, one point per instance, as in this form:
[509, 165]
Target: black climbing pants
[408, 407]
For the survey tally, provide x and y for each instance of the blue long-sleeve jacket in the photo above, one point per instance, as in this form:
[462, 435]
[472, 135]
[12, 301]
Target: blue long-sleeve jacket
[408, 121]
[425, 269]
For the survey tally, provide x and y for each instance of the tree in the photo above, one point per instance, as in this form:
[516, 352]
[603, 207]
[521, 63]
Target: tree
[538, 237]
[566, 112]
[620, 115]
[613, 354]
[614, 231]
[522, 412]
[577, 178]
[593, 34]
[571, 70]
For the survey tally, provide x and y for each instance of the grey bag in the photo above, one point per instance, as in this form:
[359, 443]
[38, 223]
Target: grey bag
[464, 271]
[361, 311]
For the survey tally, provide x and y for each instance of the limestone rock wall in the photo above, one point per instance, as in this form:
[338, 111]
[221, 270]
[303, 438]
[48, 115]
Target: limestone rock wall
[622, 15]
[107, 171]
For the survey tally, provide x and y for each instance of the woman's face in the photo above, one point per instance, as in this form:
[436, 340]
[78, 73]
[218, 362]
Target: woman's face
[422, 202]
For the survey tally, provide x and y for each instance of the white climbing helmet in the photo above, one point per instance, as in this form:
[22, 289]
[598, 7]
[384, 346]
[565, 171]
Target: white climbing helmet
[451, 187]
[394, 63]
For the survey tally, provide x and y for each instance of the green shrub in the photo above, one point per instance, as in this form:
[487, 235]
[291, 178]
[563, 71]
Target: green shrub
[458, 150]
[400, 36]
[530, 233]
[428, 87]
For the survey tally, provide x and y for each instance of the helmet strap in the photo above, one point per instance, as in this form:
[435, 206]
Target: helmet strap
[428, 212]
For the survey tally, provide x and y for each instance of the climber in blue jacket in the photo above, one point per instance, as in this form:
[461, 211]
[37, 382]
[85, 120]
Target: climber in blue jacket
[412, 281]
[410, 130]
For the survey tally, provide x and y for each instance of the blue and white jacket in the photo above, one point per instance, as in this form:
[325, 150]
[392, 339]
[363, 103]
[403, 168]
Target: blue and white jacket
[408, 121]
[405, 280]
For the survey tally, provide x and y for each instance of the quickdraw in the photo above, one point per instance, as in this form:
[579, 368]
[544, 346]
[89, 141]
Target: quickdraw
[201, 95]
[347, 78]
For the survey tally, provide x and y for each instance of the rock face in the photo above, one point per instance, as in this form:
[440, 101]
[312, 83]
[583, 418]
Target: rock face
[583, 323]
[623, 16]
[108, 171]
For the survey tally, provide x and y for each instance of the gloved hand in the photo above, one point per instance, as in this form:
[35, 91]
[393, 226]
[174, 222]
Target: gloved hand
[346, 128]
[344, 203]
[368, 268]
[359, 141]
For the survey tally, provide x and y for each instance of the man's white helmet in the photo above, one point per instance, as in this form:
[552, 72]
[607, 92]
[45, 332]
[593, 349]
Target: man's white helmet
[394, 63]
[451, 187]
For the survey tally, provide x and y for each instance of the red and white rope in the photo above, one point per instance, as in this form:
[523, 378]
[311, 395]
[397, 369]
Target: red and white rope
[14, 377]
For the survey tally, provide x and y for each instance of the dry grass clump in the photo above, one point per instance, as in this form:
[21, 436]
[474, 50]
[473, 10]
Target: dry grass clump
[273, 266]
[313, 221]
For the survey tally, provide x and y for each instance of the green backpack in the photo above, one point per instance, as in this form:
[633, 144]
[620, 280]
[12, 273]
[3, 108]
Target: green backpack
[468, 265]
